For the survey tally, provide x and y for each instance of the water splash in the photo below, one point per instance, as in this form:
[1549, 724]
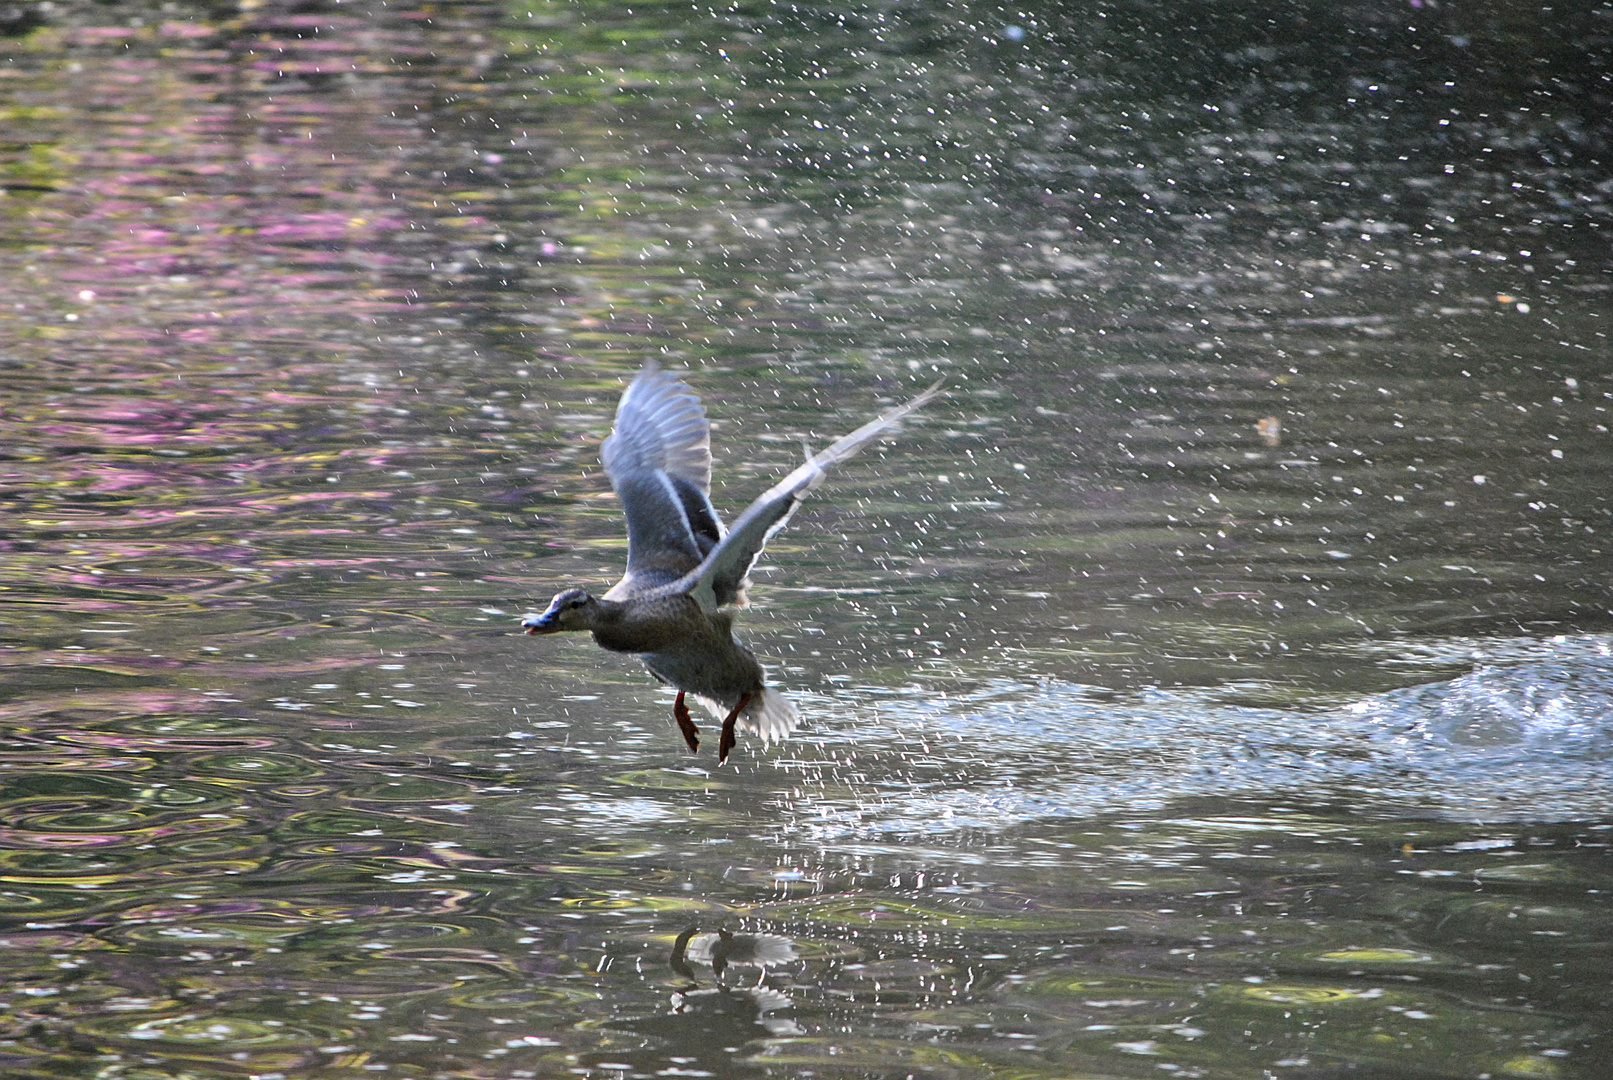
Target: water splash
[1527, 739]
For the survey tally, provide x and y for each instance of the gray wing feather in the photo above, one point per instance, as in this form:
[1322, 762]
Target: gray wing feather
[720, 579]
[659, 462]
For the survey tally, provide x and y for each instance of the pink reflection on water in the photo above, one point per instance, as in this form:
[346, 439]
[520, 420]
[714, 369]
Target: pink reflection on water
[26, 762]
[62, 841]
[158, 742]
[211, 310]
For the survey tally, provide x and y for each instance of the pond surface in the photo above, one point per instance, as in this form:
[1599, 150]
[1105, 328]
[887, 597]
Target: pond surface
[1217, 682]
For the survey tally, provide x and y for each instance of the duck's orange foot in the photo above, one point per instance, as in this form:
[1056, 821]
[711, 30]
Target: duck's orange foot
[726, 742]
[686, 724]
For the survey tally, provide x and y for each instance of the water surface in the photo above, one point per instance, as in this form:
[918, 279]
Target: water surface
[1216, 683]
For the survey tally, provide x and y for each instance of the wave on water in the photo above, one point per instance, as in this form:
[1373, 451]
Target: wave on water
[1525, 735]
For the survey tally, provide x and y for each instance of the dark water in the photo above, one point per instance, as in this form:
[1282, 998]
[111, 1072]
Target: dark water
[1217, 683]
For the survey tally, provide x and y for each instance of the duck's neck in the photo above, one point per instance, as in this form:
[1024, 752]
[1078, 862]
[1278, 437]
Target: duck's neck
[605, 614]
[609, 622]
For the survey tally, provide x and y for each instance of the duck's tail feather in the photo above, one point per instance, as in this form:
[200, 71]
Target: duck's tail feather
[769, 715]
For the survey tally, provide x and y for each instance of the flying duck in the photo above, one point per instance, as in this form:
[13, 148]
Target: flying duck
[685, 571]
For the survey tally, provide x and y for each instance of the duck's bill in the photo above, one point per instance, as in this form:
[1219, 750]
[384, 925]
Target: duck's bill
[541, 624]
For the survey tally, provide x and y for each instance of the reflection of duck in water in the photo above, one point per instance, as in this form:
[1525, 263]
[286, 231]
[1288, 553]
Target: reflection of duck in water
[708, 1027]
[685, 572]
[705, 1029]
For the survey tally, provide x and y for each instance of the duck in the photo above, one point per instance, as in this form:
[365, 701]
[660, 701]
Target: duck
[687, 573]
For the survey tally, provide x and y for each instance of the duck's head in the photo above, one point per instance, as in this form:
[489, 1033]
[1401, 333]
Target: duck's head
[573, 609]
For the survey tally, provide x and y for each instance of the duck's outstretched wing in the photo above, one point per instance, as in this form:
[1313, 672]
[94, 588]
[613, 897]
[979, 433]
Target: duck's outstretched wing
[659, 461]
[720, 578]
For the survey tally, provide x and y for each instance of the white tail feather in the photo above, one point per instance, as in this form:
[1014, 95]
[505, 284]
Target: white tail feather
[769, 716]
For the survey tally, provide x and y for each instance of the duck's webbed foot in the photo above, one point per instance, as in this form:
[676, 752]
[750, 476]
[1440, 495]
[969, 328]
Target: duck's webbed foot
[726, 742]
[686, 724]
